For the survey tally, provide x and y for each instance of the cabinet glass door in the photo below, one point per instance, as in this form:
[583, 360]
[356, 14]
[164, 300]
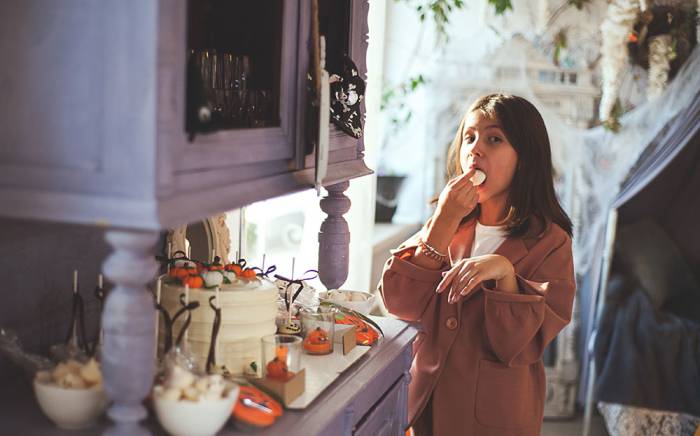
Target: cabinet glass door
[234, 64]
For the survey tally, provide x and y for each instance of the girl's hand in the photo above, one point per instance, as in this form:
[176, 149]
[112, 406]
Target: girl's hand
[468, 273]
[457, 199]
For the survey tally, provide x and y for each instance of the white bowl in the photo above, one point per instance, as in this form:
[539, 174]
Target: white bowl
[68, 408]
[190, 418]
[364, 307]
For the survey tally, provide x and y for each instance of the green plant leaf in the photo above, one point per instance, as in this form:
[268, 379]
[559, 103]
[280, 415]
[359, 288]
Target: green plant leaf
[501, 6]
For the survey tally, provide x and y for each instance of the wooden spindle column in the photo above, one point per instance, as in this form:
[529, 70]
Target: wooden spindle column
[128, 321]
[334, 237]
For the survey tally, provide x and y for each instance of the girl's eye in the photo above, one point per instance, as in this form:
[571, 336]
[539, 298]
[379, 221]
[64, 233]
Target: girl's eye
[495, 139]
[468, 139]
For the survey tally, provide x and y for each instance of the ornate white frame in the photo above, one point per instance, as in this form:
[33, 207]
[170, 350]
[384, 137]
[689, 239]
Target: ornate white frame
[218, 234]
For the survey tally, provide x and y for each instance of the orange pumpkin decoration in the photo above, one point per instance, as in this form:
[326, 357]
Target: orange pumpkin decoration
[235, 268]
[194, 282]
[281, 352]
[180, 273]
[317, 342]
[364, 333]
[173, 272]
[263, 415]
[278, 369]
[248, 273]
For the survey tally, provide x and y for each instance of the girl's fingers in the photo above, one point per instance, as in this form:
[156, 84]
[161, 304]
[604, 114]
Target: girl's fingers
[471, 285]
[447, 279]
[454, 290]
[464, 275]
[450, 294]
[461, 178]
[464, 177]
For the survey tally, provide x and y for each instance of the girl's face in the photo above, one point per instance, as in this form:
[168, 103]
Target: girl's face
[485, 147]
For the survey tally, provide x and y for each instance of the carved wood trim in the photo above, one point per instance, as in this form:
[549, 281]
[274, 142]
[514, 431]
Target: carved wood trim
[334, 237]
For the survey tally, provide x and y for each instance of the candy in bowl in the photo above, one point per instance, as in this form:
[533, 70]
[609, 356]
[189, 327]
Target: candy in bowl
[359, 301]
[190, 405]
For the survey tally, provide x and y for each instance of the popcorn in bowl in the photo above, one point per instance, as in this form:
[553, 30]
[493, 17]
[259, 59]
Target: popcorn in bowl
[359, 301]
[71, 393]
[193, 405]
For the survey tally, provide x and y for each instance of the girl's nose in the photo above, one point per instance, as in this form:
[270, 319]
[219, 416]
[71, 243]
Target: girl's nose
[477, 149]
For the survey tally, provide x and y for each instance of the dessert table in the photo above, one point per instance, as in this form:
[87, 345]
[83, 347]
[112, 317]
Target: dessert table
[369, 398]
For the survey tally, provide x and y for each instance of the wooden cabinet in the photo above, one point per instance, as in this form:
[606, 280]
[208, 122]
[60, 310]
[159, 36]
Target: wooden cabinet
[388, 416]
[369, 398]
[96, 101]
[107, 119]
[96, 122]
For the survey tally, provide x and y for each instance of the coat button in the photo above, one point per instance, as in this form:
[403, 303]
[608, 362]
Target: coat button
[451, 323]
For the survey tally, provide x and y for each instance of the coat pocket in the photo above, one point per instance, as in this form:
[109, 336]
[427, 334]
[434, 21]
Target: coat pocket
[509, 397]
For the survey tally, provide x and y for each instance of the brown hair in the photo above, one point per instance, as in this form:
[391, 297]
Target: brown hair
[531, 195]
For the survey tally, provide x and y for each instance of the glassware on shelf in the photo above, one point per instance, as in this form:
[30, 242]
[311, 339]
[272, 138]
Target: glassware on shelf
[258, 108]
[225, 78]
[281, 356]
[318, 329]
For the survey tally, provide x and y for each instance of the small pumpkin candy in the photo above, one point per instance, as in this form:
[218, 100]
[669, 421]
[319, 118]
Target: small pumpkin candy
[194, 282]
[317, 342]
[234, 268]
[277, 369]
[248, 273]
[213, 278]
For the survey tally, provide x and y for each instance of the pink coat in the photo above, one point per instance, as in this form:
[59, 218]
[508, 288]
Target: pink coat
[480, 361]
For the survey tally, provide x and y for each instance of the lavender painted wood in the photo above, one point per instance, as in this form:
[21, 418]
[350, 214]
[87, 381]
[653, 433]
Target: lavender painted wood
[384, 419]
[359, 37]
[128, 321]
[303, 56]
[78, 99]
[334, 237]
[354, 395]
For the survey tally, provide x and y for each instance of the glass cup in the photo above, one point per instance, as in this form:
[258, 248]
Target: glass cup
[281, 356]
[259, 104]
[318, 330]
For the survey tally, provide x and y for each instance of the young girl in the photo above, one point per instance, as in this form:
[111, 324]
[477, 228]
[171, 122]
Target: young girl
[489, 278]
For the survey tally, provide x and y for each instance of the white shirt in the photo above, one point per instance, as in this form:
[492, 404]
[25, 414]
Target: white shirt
[487, 239]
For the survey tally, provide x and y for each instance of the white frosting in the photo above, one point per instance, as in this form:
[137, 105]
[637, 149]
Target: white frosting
[248, 311]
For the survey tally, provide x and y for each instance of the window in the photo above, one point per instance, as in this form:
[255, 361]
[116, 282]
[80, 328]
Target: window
[281, 231]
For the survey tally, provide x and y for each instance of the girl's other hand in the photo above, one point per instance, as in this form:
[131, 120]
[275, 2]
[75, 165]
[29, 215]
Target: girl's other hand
[468, 273]
[457, 199]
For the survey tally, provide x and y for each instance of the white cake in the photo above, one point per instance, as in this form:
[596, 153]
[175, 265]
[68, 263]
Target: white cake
[249, 308]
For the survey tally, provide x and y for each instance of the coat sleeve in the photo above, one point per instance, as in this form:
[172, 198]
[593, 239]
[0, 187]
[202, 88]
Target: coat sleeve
[407, 289]
[519, 325]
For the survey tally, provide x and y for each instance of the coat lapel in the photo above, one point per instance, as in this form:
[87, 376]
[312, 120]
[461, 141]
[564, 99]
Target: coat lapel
[513, 250]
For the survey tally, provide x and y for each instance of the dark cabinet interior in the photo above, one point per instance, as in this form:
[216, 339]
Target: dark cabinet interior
[334, 24]
[234, 64]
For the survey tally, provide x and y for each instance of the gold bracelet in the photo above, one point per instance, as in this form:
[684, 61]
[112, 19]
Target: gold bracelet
[430, 252]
